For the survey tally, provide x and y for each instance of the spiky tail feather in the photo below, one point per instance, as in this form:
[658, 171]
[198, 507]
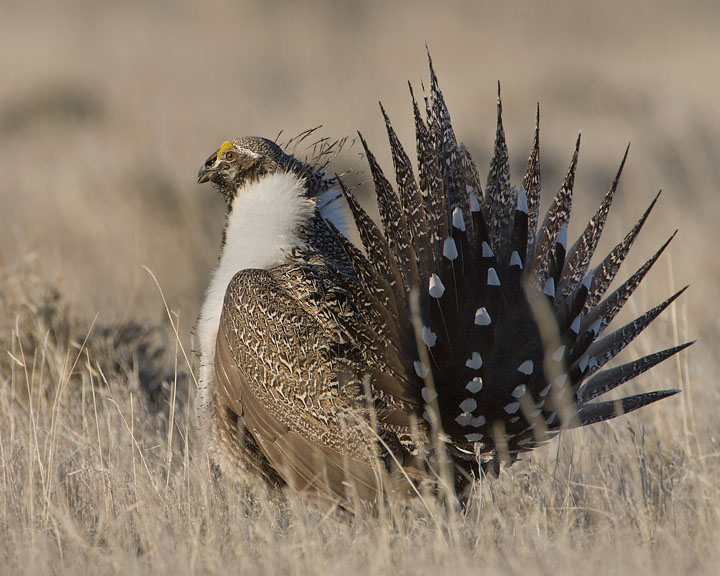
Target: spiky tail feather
[500, 380]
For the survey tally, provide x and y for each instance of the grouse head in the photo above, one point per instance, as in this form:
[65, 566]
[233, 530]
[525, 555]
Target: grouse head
[246, 160]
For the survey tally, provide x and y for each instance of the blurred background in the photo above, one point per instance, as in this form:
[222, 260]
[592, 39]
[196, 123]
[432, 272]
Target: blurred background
[108, 109]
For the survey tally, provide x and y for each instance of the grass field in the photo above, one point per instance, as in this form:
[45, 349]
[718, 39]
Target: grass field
[107, 111]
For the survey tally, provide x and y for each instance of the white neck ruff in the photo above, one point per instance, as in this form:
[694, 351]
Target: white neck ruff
[261, 229]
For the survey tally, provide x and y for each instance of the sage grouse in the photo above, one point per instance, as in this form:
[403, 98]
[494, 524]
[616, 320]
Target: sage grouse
[466, 331]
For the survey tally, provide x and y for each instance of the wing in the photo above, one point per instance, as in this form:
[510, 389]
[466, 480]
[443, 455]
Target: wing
[288, 367]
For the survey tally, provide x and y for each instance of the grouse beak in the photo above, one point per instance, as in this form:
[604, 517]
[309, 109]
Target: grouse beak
[204, 175]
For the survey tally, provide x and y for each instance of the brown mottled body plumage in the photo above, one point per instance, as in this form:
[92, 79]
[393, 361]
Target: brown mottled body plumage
[290, 360]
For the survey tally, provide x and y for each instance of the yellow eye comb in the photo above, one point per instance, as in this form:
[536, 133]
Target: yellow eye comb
[225, 146]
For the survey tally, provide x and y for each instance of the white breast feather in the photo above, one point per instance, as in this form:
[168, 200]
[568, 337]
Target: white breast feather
[261, 229]
[332, 206]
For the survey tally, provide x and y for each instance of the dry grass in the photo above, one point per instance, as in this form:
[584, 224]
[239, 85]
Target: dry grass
[99, 475]
[106, 111]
